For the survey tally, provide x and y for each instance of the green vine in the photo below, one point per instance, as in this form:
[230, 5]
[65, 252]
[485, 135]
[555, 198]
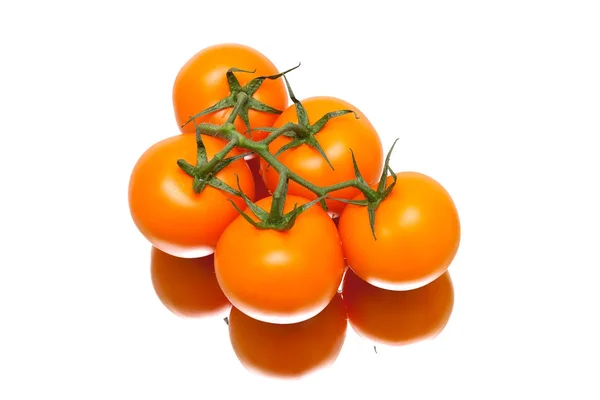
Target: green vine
[204, 172]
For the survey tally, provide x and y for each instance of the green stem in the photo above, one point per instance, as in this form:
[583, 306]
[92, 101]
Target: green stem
[241, 100]
[301, 133]
[220, 155]
[229, 132]
[288, 127]
[279, 196]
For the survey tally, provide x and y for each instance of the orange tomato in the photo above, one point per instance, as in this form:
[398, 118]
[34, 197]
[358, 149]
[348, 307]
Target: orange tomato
[188, 287]
[337, 137]
[165, 208]
[396, 318]
[201, 82]
[418, 233]
[281, 276]
[289, 350]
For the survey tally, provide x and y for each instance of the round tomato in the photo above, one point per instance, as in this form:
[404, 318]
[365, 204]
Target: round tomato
[281, 276]
[289, 350]
[188, 287]
[417, 229]
[337, 138]
[394, 318]
[201, 82]
[165, 207]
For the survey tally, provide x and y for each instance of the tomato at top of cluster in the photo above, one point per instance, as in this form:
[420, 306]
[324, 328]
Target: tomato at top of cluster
[339, 135]
[167, 210]
[281, 276]
[417, 234]
[201, 82]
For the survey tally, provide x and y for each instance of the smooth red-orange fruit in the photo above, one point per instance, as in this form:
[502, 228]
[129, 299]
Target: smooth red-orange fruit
[417, 231]
[164, 206]
[201, 82]
[337, 138]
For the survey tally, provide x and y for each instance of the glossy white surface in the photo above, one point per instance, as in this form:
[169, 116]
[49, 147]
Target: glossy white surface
[498, 101]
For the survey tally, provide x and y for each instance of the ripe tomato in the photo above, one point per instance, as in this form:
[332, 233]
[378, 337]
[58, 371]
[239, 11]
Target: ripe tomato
[289, 350]
[281, 276]
[417, 229]
[337, 137]
[166, 209]
[395, 318]
[201, 82]
[188, 287]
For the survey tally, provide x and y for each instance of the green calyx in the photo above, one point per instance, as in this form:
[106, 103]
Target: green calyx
[303, 132]
[275, 219]
[205, 172]
[240, 98]
[373, 197]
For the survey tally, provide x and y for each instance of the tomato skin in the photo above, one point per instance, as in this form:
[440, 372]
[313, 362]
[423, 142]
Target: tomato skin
[188, 287]
[397, 318]
[164, 206]
[281, 277]
[289, 350]
[418, 234]
[201, 82]
[337, 137]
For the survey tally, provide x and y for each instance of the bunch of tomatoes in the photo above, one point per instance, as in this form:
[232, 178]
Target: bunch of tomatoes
[285, 216]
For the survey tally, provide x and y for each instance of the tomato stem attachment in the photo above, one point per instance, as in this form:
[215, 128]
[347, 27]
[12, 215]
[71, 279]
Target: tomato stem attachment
[204, 172]
[304, 132]
[278, 202]
[276, 219]
[373, 197]
[241, 98]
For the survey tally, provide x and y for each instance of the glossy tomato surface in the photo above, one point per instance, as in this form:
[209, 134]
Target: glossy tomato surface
[165, 207]
[281, 276]
[417, 229]
[337, 138]
[201, 82]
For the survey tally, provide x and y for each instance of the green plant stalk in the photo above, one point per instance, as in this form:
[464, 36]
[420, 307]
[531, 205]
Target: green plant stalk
[276, 218]
[228, 132]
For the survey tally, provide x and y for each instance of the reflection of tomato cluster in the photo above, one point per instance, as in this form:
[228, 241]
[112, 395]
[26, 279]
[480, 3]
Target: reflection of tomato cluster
[253, 237]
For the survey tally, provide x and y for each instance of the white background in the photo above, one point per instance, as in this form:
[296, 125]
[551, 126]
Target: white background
[499, 101]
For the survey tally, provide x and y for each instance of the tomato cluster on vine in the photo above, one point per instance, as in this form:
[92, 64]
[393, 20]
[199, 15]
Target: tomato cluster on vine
[286, 215]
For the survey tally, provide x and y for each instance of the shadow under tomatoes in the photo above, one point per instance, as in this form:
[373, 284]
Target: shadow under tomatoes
[396, 318]
[289, 351]
[260, 189]
[188, 287]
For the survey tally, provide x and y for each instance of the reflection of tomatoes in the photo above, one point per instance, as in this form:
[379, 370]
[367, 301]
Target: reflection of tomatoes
[165, 207]
[281, 276]
[260, 189]
[398, 317]
[417, 229]
[187, 286]
[337, 138]
[202, 82]
[289, 350]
